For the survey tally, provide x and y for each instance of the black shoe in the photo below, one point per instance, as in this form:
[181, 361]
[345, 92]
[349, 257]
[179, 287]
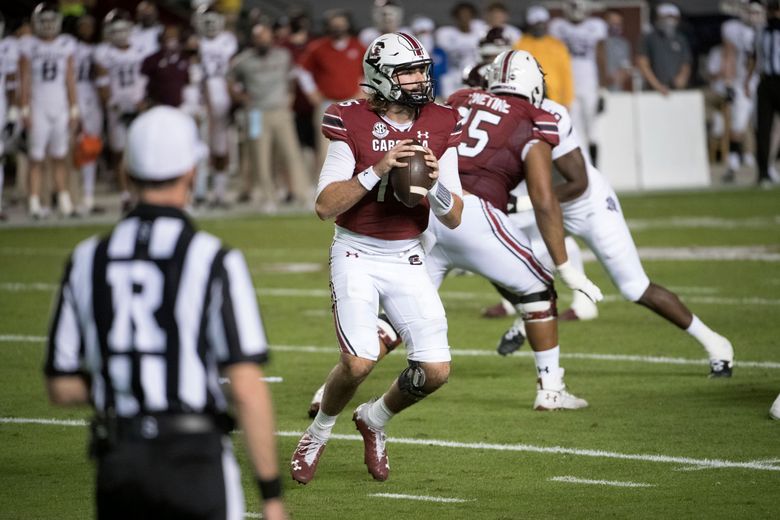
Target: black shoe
[720, 368]
[511, 341]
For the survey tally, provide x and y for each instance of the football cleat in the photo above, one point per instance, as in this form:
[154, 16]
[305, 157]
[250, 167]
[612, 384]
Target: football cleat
[556, 397]
[374, 451]
[720, 368]
[774, 412]
[316, 401]
[511, 341]
[306, 457]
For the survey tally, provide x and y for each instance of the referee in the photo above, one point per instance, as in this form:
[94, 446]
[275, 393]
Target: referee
[147, 319]
[767, 60]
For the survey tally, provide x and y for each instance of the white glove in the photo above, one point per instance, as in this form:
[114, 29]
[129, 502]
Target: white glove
[577, 281]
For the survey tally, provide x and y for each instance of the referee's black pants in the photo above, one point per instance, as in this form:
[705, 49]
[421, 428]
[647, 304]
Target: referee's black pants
[178, 477]
[768, 105]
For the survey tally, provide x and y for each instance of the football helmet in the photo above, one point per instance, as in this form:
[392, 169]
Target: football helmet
[576, 10]
[46, 20]
[493, 44]
[518, 73]
[208, 22]
[390, 54]
[117, 27]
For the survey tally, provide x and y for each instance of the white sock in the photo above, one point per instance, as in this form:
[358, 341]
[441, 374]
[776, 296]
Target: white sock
[734, 161]
[35, 204]
[220, 185]
[63, 203]
[378, 414]
[548, 367]
[322, 425]
[717, 346]
[88, 175]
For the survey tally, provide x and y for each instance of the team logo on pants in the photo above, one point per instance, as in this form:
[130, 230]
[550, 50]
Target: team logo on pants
[415, 260]
[611, 204]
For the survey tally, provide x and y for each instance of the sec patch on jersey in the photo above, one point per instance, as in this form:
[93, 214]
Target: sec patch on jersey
[412, 181]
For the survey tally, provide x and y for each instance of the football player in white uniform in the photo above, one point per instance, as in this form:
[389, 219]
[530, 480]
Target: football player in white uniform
[90, 109]
[739, 35]
[146, 34]
[49, 105]
[584, 36]
[9, 111]
[388, 15]
[121, 87]
[460, 43]
[596, 217]
[215, 48]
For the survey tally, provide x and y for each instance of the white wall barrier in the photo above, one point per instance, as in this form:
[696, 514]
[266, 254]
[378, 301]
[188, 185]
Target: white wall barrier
[650, 141]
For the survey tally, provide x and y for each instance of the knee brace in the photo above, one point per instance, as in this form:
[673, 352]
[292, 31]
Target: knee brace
[412, 380]
[538, 307]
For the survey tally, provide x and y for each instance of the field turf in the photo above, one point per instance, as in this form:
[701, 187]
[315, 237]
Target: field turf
[659, 440]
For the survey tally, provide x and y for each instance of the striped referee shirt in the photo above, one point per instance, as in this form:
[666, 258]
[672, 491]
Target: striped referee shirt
[768, 49]
[151, 312]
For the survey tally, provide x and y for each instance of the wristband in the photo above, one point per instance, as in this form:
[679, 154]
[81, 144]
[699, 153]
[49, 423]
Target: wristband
[103, 81]
[440, 199]
[13, 114]
[368, 178]
[74, 112]
[25, 111]
[270, 489]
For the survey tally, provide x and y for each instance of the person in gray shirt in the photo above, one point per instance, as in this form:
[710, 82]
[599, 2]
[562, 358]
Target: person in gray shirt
[618, 53]
[664, 57]
[261, 79]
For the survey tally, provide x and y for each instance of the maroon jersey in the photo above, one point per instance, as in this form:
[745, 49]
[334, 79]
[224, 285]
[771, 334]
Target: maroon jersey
[379, 213]
[497, 129]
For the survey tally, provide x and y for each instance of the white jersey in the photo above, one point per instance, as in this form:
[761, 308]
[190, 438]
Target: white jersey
[581, 39]
[85, 64]
[147, 40]
[369, 34]
[48, 68]
[126, 84]
[215, 54]
[9, 64]
[743, 38]
[462, 50]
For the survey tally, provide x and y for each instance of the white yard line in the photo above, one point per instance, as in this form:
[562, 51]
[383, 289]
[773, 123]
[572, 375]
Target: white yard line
[423, 498]
[655, 360]
[613, 483]
[287, 292]
[703, 222]
[723, 253]
[484, 446]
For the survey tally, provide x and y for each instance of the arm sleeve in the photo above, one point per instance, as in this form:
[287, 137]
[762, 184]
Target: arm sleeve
[64, 352]
[448, 171]
[339, 165]
[234, 326]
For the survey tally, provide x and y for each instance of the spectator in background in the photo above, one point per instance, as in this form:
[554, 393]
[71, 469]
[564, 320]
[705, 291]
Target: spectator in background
[497, 17]
[460, 43]
[167, 70]
[664, 56]
[617, 53]
[423, 28]
[260, 79]
[388, 16]
[551, 53]
[331, 70]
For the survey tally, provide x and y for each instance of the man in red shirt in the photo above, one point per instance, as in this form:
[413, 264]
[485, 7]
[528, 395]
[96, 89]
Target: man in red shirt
[332, 69]
[377, 257]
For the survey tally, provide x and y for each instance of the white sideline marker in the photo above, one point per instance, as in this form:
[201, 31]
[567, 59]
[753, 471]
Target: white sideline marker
[484, 446]
[313, 349]
[423, 498]
[613, 483]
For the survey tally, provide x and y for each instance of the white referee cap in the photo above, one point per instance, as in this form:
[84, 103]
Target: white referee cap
[668, 10]
[162, 144]
[537, 14]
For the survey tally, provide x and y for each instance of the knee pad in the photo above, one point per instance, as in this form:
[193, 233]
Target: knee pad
[539, 307]
[412, 380]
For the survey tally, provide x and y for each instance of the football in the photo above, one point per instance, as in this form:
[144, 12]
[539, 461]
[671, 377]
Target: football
[411, 182]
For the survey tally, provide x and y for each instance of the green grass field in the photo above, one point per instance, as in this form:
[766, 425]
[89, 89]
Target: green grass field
[695, 447]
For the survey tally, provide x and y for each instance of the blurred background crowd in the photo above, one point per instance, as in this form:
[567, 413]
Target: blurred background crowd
[257, 76]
